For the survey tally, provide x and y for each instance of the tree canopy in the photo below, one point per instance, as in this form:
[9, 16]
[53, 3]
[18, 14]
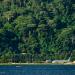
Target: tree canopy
[42, 29]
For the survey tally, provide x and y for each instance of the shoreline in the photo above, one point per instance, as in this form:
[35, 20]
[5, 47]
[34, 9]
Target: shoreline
[22, 64]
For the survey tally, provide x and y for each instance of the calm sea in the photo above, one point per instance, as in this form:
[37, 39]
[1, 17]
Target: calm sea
[38, 70]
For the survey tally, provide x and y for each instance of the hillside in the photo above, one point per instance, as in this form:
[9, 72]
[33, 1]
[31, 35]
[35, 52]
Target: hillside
[36, 30]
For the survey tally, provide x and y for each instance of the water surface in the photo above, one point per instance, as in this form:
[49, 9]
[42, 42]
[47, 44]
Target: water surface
[38, 70]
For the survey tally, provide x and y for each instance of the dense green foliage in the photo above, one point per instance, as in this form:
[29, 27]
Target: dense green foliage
[36, 30]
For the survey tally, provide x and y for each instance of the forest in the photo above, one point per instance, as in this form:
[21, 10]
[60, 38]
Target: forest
[36, 30]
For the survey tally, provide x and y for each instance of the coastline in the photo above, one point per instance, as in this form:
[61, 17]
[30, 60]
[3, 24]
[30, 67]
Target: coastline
[22, 64]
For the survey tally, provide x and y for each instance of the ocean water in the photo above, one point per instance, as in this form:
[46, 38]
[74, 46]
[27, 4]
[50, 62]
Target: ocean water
[38, 70]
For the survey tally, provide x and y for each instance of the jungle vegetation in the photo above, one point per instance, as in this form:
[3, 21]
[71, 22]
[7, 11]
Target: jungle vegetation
[37, 30]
